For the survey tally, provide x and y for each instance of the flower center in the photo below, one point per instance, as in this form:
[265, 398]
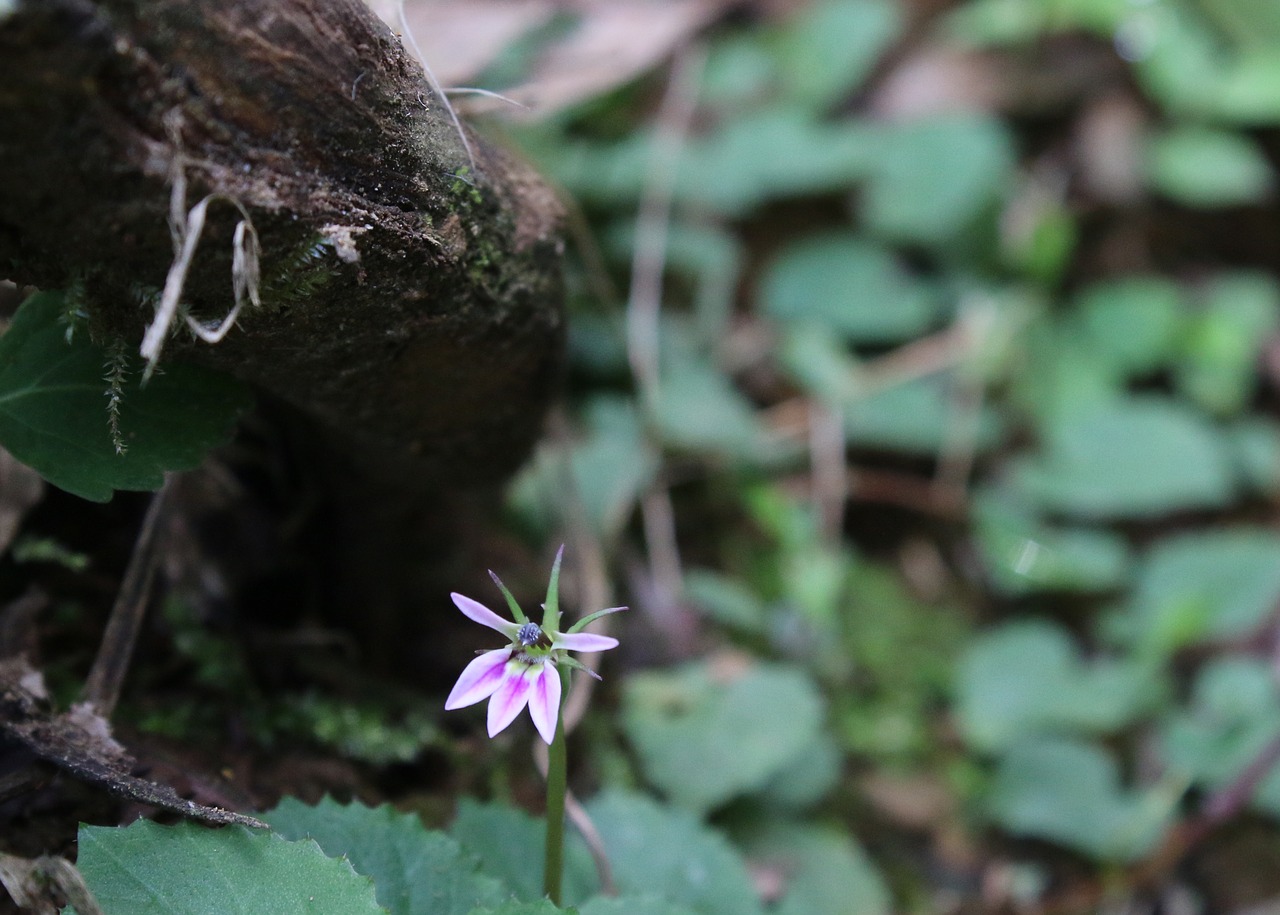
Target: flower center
[530, 635]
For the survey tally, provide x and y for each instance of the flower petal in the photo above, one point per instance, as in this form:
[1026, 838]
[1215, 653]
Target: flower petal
[479, 679]
[584, 641]
[510, 698]
[474, 610]
[544, 702]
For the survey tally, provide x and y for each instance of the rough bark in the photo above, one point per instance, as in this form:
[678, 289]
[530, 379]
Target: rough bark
[411, 301]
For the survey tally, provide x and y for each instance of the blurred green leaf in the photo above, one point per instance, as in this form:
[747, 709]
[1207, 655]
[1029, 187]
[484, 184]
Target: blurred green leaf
[188, 869]
[825, 871]
[700, 410]
[1026, 678]
[806, 779]
[1203, 585]
[511, 844]
[1062, 373]
[931, 179]
[1248, 22]
[1250, 90]
[1022, 554]
[984, 23]
[415, 872]
[1132, 323]
[53, 412]
[773, 153]
[827, 49]
[1177, 59]
[1069, 792]
[1234, 714]
[1203, 167]
[1134, 458]
[633, 905]
[660, 851]
[855, 287]
[726, 600]
[1256, 443]
[916, 417]
[1222, 343]
[740, 71]
[598, 345]
[610, 467]
[540, 907]
[706, 733]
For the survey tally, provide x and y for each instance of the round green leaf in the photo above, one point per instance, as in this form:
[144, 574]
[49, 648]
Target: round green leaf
[1203, 167]
[1132, 458]
[659, 851]
[825, 870]
[1069, 792]
[827, 49]
[1205, 585]
[850, 285]
[511, 846]
[1131, 323]
[1234, 714]
[706, 733]
[933, 178]
[1026, 678]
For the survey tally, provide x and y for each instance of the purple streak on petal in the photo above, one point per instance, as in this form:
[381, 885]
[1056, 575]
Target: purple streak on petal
[585, 641]
[544, 702]
[510, 697]
[479, 679]
[477, 611]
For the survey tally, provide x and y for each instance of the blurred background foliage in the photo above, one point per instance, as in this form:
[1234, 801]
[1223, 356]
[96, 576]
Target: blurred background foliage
[938, 429]
[923, 402]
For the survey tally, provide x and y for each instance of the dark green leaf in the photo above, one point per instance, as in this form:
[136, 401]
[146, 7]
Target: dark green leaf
[148, 869]
[53, 409]
[416, 872]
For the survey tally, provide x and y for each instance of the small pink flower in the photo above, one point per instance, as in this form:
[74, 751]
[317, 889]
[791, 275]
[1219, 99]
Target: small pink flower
[526, 672]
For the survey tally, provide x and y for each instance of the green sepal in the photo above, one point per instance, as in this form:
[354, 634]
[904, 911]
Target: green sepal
[551, 609]
[516, 612]
[588, 620]
[574, 663]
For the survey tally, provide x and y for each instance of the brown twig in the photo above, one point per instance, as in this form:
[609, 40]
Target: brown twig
[106, 677]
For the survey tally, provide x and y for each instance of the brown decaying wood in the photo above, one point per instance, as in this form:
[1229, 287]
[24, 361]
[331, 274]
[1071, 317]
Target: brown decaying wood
[437, 348]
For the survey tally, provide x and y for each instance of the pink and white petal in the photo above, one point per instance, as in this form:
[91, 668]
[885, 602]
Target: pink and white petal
[544, 701]
[585, 641]
[479, 679]
[510, 698]
[474, 610]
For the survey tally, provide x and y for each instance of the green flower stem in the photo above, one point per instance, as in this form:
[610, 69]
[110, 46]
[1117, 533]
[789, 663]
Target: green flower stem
[553, 870]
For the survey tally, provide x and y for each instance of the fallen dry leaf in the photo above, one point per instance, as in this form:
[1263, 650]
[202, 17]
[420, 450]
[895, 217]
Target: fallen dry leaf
[605, 43]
